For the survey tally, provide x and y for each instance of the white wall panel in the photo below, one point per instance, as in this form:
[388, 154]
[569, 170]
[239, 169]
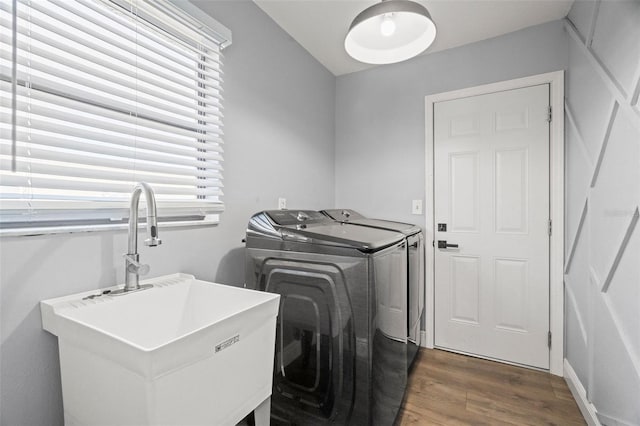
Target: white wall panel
[624, 295]
[616, 40]
[588, 99]
[577, 321]
[577, 277]
[615, 195]
[578, 170]
[603, 275]
[616, 386]
[576, 344]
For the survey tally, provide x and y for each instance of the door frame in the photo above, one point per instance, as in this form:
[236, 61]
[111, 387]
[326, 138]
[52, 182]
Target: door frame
[556, 204]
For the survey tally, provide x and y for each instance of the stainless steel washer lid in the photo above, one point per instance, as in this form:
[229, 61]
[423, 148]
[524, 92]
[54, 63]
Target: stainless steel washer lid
[351, 216]
[342, 215]
[311, 227]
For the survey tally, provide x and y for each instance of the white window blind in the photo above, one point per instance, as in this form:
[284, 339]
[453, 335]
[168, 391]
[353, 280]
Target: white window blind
[108, 93]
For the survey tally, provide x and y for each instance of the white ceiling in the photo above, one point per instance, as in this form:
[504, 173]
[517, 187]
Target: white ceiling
[321, 25]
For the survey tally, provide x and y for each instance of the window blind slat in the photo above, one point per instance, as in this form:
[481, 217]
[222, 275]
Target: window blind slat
[128, 81]
[92, 141]
[82, 86]
[43, 167]
[67, 135]
[51, 32]
[188, 32]
[129, 52]
[148, 37]
[108, 186]
[85, 205]
[47, 149]
[119, 34]
[105, 118]
[111, 158]
[47, 29]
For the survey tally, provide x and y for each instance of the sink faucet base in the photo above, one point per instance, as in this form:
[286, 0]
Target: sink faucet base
[121, 291]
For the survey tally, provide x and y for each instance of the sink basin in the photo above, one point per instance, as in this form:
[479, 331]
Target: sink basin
[183, 352]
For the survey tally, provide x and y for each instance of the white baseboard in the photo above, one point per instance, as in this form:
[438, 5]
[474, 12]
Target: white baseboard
[587, 409]
[423, 340]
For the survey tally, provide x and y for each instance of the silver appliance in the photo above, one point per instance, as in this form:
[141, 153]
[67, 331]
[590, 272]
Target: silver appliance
[415, 268]
[341, 337]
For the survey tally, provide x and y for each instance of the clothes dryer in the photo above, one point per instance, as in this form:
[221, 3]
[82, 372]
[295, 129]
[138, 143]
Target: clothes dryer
[415, 268]
[341, 334]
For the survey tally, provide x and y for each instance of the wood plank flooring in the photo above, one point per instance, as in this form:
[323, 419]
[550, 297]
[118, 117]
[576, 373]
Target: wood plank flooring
[450, 389]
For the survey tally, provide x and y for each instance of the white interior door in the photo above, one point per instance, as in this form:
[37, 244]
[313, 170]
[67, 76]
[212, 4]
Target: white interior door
[491, 190]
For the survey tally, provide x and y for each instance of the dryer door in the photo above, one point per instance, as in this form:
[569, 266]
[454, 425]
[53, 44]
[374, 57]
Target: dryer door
[315, 342]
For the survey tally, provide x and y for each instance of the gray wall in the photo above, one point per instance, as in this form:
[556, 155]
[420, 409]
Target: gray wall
[603, 196]
[380, 123]
[279, 127]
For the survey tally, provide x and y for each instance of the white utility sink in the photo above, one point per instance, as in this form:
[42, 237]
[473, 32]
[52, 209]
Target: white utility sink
[185, 352]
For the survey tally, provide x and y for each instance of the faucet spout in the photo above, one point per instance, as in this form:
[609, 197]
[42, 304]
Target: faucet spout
[133, 269]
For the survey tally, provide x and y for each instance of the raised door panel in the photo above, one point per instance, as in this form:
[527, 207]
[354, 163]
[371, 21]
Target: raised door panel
[464, 197]
[512, 190]
[511, 308]
[465, 289]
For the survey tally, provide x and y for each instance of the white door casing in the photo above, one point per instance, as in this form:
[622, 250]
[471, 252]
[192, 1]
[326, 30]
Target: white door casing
[556, 207]
[491, 188]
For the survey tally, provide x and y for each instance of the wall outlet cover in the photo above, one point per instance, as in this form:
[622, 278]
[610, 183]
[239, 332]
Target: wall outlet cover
[282, 203]
[416, 207]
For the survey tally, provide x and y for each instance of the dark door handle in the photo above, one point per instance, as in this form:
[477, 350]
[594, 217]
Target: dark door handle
[443, 244]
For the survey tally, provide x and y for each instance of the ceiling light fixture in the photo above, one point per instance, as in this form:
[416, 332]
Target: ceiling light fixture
[390, 31]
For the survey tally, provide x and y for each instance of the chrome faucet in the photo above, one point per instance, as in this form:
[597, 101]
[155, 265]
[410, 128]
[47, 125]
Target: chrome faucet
[133, 267]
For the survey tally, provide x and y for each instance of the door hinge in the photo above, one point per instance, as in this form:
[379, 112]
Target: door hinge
[549, 340]
[550, 227]
[550, 115]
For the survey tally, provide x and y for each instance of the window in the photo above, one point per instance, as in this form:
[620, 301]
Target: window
[98, 95]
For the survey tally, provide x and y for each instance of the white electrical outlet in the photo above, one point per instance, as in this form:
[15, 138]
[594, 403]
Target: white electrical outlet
[416, 207]
[282, 203]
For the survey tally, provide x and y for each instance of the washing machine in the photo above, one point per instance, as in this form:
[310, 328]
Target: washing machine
[415, 268]
[341, 337]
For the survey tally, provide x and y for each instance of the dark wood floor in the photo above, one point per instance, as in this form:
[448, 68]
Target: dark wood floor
[450, 389]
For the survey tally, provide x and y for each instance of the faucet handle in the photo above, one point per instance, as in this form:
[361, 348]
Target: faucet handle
[134, 266]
